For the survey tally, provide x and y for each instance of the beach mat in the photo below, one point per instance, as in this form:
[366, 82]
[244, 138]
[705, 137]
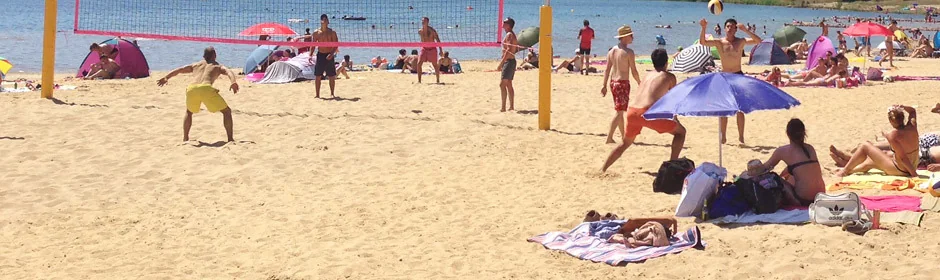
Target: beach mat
[588, 241]
[892, 203]
[903, 217]
[930, 203]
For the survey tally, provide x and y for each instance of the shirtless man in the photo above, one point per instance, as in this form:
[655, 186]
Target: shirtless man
[104, 49]
[104, 69]
[730, 49]
[201, 91]
[651, 90]
[889, 45]
[325, 55]
[507, 66]
[429, 54]
[621, 63]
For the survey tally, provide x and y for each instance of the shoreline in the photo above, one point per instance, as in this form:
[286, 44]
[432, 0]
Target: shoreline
[891, 6]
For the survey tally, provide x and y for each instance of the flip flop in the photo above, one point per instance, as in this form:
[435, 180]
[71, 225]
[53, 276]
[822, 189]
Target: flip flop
[856, 227]
[592, 216]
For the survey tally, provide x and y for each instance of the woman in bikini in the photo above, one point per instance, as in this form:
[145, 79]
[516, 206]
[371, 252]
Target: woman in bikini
[903, 141]
[803, 175]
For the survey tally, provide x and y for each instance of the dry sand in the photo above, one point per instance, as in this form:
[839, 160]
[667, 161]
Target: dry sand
[399, 180]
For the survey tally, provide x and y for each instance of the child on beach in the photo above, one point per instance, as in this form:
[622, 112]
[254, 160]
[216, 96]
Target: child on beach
[652, 88]
[730, 49]
[201, 91]
[621, 63]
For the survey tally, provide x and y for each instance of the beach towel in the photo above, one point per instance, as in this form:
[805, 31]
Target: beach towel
[930, 203]
[793, 216]
[892, 203]
[588, 241]
[903, 217]
[876, 179]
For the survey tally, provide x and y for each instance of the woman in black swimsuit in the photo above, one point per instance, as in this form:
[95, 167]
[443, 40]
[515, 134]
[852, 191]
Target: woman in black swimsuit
[903, 141]
[803, 174]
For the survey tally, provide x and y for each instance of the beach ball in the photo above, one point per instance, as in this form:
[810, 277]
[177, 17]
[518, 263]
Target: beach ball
[715, 7]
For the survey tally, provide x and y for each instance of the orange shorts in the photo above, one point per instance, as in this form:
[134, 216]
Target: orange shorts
[636, 123]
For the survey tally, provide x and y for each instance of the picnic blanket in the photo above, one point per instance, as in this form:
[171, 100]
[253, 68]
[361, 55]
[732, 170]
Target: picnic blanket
[876, 179]
[794, 216]
[588, 241]
[892, 203]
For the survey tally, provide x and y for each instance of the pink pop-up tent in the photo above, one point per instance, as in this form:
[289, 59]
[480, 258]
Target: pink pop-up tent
[129, 57]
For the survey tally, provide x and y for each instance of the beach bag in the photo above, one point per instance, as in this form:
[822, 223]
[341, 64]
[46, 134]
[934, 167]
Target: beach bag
[671, 175]
[728, 201]
[698, 186]
[764, 192]
[874, 74]
[834, 210]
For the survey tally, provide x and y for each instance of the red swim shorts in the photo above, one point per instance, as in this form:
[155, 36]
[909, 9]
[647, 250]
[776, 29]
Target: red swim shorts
[620, 90]
[636, 122]
[429, 55]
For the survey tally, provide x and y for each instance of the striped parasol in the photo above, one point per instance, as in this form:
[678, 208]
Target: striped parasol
[691, 59]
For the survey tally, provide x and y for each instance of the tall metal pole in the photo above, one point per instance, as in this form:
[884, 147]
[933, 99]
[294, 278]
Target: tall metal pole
[545, 66]
[48, 49]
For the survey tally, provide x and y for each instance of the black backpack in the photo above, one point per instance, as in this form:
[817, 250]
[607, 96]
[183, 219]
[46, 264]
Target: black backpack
[672, 174]
[764, 192]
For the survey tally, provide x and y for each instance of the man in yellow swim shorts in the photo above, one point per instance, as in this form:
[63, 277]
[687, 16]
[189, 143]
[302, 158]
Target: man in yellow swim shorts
[201, 91]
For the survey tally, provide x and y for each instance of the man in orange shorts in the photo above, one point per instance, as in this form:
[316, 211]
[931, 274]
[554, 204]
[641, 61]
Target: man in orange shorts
[621, 63]
[652, 89]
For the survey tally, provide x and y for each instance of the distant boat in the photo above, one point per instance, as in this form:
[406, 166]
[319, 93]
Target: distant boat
[353, 18]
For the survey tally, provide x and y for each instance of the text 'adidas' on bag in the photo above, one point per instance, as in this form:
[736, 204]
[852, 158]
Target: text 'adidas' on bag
[833, 210]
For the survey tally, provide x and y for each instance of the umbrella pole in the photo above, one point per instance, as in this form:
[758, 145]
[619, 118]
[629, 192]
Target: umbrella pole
[719, 144]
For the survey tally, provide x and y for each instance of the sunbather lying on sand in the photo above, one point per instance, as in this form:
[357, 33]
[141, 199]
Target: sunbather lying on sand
[638, 232]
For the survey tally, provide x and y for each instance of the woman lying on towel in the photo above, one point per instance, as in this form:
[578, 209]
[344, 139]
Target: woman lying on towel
[837, 75]
[903, 141]
[803, 175]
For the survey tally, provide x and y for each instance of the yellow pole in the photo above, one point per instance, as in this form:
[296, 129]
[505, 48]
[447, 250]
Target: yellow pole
[48, 49]
[545, 66]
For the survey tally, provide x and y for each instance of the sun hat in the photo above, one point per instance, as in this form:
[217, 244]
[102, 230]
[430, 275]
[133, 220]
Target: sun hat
[624, 31]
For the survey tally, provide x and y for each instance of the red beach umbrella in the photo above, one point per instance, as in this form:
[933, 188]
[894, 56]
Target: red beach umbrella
[867, 29]
[267, 28]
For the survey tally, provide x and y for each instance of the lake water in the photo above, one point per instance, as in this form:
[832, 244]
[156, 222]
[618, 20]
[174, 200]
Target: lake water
[21, 30]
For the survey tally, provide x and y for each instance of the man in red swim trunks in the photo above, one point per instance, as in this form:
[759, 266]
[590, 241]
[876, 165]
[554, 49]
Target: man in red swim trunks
[621, 64]
[652, 89]
[586, 35]
[429, 54]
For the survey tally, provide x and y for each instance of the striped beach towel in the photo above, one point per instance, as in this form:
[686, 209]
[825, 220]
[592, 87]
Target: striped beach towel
[588, 241]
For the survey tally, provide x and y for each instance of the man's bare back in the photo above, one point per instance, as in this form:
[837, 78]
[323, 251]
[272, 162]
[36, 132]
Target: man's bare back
[619, 63]
[205, 73]
[654, 87]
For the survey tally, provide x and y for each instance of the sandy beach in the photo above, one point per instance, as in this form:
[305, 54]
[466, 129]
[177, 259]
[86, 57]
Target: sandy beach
[399, 180]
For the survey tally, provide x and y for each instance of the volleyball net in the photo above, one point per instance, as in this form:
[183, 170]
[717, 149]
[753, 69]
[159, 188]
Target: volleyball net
[358, 23]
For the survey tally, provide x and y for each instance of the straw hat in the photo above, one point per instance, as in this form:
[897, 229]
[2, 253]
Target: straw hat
[624, 31]
[754, 168]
